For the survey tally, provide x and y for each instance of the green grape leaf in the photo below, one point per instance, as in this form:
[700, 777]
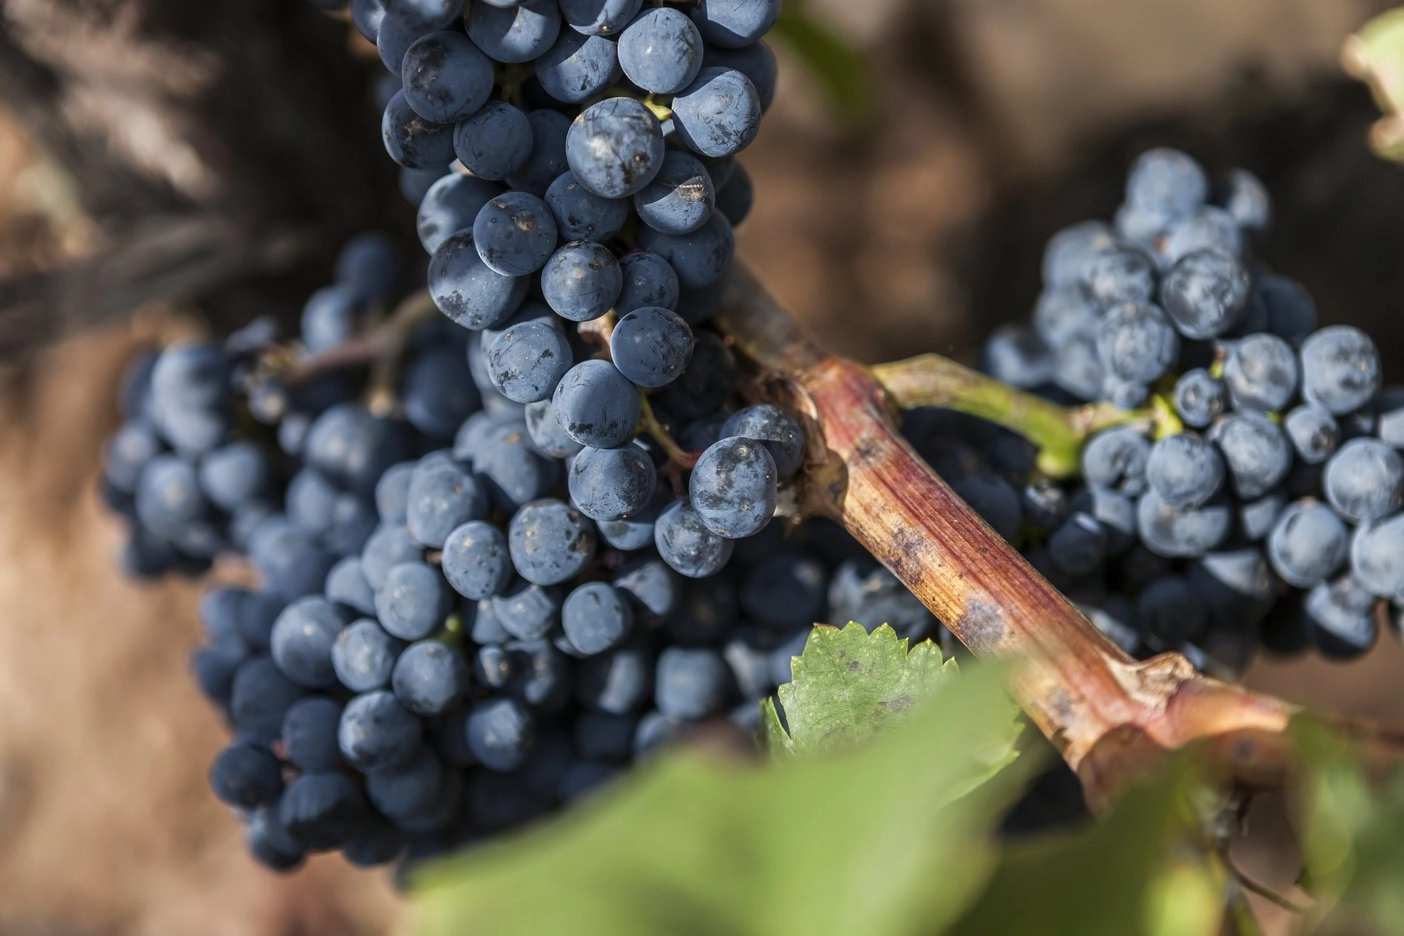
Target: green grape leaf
[1352, 837]
[840, 68]
[889, 838]
[1142, 869]
[848, 684]
[1375, 55]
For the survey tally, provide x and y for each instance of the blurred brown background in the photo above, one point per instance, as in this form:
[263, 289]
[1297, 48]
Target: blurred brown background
[997, 121]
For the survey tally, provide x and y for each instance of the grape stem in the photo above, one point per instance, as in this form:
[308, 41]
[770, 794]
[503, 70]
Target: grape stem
[1111, 717]
[379, 346]
[1058, 431]
[648, 423]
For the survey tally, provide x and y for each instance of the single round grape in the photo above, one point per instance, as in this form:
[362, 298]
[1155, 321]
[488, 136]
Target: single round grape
[1308, 544]
[691, 683]
[364, 656]
[581, 281]
[1340, 369]
[259, 697]
[581, 214]
[1185, 470]
[429, 677]
[1364, 480]
[1247, 200]
[687, 544]
[309, 735]
[1181, 533]
[719, 113]
[1118, 275]
[651, 346]
[493, 143]
[476, 561]
[615, 147]
[732, 487]
[413, 601]
[1079, 368]
[526, 611]
[774, 428]
[377, 733]
[302, 641]
[1116, 459]
[388, 546]
[1199, 398]
[1256, 518]
[596, 618]
[516, 34]
[1256, 452]
[500, 733]
[441, 497]
[611, 484]
[246, 775]
[1314, 433]
[597, 405]
[515, 233]
[733, 24]
[700, 258]
[1261, 373]
[526, 362]
[661, 51]
[168, 497]
[578, 67]
[1206, 293]
[412, 141]
[445, 77]
[1342, 618]
[550, 542]
[1068, 253]
[1136, 342]
[680, 198]
[1167, 182]
[647, 281]
[1169, 611]
[466, 290]
[1079, 545]
[513, 471]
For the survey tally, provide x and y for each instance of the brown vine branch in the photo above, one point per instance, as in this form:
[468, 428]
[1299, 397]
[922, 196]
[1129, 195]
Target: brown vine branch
[1110, 716]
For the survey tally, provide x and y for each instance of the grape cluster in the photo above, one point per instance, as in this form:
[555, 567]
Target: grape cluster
[483, 602]
[1251, 495]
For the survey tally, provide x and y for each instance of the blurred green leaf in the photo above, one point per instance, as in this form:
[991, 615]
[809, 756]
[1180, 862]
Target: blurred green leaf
[848, 685]
[1375, 55]
[885, 839]
[841, 68]
[1352, 837]
[1141, 870]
